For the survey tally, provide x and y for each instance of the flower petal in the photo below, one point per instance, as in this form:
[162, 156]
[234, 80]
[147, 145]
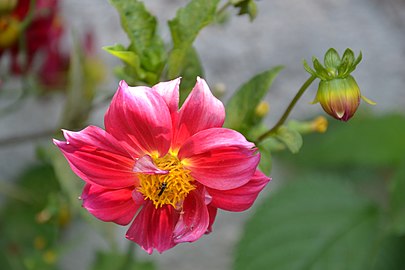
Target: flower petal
[194, 219]
[169, 91]
[114, 205]
[140, 117]
[145, 165]
[241, 198]
[98, 158]
[201, 110]
[220, 158]
[153, 228]
[212, 211]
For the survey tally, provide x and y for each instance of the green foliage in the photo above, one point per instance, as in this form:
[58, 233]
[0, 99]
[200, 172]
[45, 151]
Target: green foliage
[118, 261]
[240, 110]
[311, 224]
[248, 7]
[372, 142]
[30, 226]
[189, 21]
[397, 200]
[290, 138]
[145, 55]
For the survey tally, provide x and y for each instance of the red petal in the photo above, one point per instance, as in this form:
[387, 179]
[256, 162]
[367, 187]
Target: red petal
[140, 117]
[145, 165]
[241, 198]
[153, 228]
[110, 205]
[194, 219]
[98, 158]
[220, 158]
[212, 211]
[169, 91]
[200, 111]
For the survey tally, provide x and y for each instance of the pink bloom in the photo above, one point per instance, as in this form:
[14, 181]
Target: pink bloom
[171, 169]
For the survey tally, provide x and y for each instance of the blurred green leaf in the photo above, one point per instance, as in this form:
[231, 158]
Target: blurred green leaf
[184, 28]
[246, 7]
[189, 74]
[146, 44]
[240, 110]
[311, 224]
[397, 200]
[29, 231]
[290, 137]
[265, 157]
[117, 261]
[390, 254]
[374, 142]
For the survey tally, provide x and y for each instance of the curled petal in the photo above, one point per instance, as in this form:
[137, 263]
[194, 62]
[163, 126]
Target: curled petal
[212, 212]
[153, 228]
[114, 205]
[201, 110]
[241, 198]
[219, 158]
[139, 117]
[98, 158]
[194, 219]
[145, 165]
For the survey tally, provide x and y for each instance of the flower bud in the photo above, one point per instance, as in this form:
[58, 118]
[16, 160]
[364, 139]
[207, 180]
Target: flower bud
[262, 109]
[9, 31]
[338, 92]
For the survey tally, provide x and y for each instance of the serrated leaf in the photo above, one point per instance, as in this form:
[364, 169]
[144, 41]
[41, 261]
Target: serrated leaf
[141, 28]
[240, 110]
[184, 29]
[397, 201]
[310, 224]
[369, 142]
[290, 137]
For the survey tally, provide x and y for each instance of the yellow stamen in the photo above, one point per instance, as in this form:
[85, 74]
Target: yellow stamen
[171, 188]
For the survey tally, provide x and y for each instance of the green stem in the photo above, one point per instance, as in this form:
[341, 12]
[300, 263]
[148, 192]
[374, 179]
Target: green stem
[287, 112]
[223, 8]
[129, 257]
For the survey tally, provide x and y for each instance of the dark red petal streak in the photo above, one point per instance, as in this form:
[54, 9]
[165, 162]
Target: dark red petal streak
[220, 158]
[140, 117]
[98, 158]
[241, 198]
[153, 228]
[194, 219]
[114, 205]
[201, 110]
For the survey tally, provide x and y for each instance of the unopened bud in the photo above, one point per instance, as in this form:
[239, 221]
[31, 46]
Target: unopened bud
[262, 109]
[338, 92]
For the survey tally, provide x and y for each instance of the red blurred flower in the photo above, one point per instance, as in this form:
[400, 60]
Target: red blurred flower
[171, 169]
[41, 34]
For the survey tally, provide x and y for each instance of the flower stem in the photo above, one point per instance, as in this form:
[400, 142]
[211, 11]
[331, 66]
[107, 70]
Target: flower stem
[287, 112]
[223, 8]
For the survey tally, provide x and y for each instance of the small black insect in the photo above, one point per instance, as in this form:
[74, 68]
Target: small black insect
[162, 188]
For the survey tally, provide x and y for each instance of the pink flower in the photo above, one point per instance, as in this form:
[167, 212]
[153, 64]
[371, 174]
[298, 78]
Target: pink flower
[171, 169]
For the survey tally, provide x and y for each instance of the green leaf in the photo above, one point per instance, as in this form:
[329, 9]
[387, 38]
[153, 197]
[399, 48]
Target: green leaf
[246, 7]
[189, 74]
[320, 70]
[310, 224]
[184, 29]
[390, 255]
[369, 142]
[397, 200]
[141, 28]
[290, 137]
[240, 110]
[118, 261]
[265, 164]
[128, 57]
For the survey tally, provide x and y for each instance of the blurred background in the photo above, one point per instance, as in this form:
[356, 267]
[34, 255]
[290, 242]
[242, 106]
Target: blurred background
[284, 33]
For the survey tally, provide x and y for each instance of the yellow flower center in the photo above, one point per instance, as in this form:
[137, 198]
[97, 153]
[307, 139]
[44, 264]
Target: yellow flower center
[171, 188]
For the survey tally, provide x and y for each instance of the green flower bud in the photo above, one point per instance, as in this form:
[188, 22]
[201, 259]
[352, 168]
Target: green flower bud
[338, 92]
